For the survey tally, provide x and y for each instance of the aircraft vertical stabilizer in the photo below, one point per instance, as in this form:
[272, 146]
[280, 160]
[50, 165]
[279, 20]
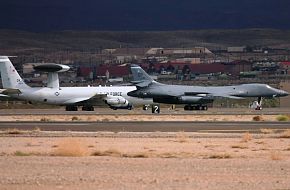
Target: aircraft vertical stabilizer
[140, 77]
[9, 75]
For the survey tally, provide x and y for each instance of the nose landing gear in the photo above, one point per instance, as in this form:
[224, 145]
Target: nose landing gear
[257, 105]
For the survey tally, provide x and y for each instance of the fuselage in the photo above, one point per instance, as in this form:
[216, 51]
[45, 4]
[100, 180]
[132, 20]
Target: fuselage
[69, 95]
[181, 94]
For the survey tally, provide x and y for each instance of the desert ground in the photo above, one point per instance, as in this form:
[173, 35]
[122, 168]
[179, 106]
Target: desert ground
[135, 117]
[158, 160]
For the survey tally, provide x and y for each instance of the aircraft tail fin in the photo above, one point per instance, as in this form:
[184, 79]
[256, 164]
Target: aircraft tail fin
[140, 77]
[10, 77]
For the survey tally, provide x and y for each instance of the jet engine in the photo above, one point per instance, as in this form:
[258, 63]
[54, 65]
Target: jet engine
[118, 102]
[189, 99]
[184, 100]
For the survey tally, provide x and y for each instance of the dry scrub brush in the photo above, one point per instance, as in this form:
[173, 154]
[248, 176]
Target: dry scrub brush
[71, 147]
[246, 137]
[285, 134]
[267, 131]
[258, 118]
[14, 131]
[218, 156]
[182, 137]
[240, 146]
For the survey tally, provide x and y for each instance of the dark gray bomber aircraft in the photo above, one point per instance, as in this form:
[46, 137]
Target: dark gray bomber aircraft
[195, 97]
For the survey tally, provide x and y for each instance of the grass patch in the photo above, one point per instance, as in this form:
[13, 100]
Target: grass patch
[14, 131]
[105, 120]
[20, 153]
[137, 155]
[36, 129]
[260, 142]
[44, 119]
[168, 155]
[282, 118]
[220, 156]
[116, 153]
[240, 146]
[71, 147]
[109, 152]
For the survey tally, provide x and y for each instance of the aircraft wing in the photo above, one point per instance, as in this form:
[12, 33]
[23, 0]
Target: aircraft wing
[97, 98]
[207, 95]
[227, 96]
[102, 99]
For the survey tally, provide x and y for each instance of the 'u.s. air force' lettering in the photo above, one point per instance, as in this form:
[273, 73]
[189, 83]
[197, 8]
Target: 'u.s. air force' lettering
[114, 93]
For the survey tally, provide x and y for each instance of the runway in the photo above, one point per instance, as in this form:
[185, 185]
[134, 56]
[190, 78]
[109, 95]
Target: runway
[213, 127]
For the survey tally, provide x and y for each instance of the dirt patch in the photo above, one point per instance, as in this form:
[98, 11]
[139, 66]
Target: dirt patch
[201, 161]
[132, 117]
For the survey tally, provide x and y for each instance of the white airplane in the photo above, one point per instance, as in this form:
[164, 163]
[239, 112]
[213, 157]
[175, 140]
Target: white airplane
[71, 97]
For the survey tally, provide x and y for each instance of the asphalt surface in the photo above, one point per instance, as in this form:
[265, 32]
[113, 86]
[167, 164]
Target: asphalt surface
[147, 126]
[216, 127]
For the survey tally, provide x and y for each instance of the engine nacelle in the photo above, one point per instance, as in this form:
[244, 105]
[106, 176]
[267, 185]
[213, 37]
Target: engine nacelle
[184, 100]
[190, 99]
[116, 100]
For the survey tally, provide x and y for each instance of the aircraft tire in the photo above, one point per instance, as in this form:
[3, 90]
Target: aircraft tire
[71, 108]
[145, 107]
[88, 108]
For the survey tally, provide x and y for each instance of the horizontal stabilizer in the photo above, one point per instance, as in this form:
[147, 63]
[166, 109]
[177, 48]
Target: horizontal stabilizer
[10, 91]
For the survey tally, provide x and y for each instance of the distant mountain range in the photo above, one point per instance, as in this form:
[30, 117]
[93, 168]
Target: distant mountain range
[139, 15]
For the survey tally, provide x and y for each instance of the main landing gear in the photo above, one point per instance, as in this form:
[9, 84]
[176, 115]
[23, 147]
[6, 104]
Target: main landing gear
[195, 107]
[71, 108]
[259, 104]
[88, 108]
[75, 108]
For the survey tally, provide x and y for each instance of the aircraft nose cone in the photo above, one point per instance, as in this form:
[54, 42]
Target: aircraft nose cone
[283, 93]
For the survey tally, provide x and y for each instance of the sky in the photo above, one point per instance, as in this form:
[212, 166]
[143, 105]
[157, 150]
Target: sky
[139, 15]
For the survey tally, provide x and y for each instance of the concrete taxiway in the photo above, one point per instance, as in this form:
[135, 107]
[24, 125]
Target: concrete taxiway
[149, 125]
[225, 127]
